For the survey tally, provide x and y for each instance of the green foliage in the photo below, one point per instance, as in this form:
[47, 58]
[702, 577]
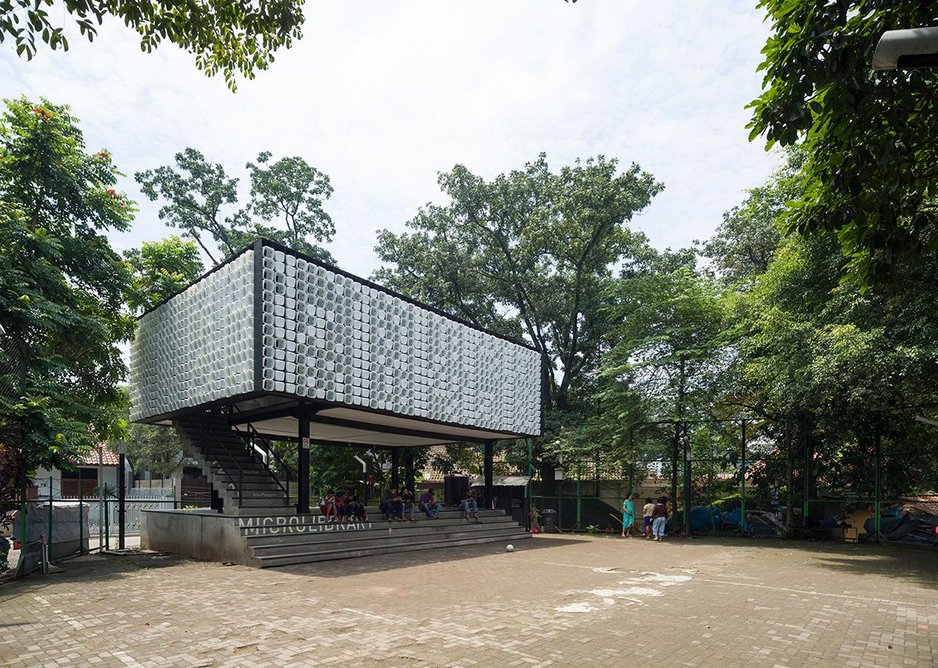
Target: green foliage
[226, 36]
[334, 468]
[161, 269]
[846, 365]
[154, 449]
[62, 287]
[458, 459]
[871, 175]
[745, 242]
[667, 339]
[293, 190]
[196, 193]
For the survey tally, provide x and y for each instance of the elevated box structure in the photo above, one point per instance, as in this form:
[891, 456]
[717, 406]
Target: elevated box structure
[273, 344]
[272, 332]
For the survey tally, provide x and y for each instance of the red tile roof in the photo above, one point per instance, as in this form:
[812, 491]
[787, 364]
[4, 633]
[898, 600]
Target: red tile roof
[108, 457]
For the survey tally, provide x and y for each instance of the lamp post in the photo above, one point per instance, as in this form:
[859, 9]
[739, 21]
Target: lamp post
[907, 49]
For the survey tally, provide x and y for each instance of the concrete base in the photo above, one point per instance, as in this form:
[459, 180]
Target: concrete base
[283, 539]
[200, 534]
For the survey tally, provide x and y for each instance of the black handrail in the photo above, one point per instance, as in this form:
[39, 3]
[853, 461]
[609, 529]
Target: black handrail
[204, 430]
[252, 438]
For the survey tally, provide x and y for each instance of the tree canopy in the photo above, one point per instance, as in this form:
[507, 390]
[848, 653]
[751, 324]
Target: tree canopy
[745, 241]
[285, 204]
[527, 254]
[161, 269]
[871, 175]
[227, 36]
[62, 287]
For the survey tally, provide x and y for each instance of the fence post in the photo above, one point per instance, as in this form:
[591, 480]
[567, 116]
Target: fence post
[742, 482]
[687, 481]
[877, 491]
[527, 488]
[107, 526]
[23, 525]
[806, 510]
[81, 516]
[49, 534]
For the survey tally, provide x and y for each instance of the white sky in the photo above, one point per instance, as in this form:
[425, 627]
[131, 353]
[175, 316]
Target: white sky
[382, 96]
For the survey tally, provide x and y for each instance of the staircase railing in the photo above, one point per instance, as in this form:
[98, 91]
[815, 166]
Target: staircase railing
[254, 439]
[205, 430]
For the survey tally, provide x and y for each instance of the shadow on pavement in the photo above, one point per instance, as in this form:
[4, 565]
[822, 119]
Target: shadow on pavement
[92, 567]
[386, 562]
[909, 563]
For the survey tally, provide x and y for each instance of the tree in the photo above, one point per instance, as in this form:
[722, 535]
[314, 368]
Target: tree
[745, 242]
[225, 35]
[527, 254]
[62, 287]
[160, 270]
[154, 449]
[667, 344]
[872, 167]
[196, 193]
[841, 372]
[292, 189]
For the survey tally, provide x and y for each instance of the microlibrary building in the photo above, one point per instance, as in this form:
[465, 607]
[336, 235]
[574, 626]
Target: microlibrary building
[274, 345]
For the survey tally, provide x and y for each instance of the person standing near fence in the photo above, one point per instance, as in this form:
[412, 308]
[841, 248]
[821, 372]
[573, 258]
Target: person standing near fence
[647, 510]
[659, 517]
[628, 516]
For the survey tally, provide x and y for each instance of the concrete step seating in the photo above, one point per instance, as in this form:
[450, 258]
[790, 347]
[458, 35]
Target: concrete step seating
[305, 538]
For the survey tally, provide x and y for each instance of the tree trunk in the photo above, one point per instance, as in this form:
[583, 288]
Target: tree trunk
[548, 484]
[675, 453]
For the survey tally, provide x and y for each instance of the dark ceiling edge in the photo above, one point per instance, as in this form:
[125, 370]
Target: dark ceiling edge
[281, 410]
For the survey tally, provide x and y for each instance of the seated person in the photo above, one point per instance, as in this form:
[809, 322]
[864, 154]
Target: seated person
[340, 509]
[429, 505]
[407, 499]
[469, 507]
[354, 509]
[328, 507]
[392, 508]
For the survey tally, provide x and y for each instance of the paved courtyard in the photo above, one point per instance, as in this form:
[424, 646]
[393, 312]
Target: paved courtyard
[556, 600]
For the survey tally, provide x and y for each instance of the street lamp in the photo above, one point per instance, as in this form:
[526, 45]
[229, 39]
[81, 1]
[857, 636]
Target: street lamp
[907, 49]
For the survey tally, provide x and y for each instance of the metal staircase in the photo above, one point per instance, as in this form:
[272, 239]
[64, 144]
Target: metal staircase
[237, 464]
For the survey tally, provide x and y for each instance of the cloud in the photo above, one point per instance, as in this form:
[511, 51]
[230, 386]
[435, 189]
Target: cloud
[383, 96]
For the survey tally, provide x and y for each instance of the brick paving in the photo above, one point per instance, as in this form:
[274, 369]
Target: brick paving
[555, 601]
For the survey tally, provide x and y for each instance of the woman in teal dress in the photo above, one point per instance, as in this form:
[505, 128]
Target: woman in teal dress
[628, 516]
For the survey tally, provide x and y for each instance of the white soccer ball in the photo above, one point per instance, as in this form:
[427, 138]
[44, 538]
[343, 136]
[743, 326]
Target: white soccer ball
[510, 548]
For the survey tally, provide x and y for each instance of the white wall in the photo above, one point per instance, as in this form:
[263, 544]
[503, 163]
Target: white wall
[198, 346]
[328, 336]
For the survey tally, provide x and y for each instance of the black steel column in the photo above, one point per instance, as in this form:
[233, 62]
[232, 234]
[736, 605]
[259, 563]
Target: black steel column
[395, 467]
[302, 472]
[121, 495]
[488, 457]
[410, 477]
